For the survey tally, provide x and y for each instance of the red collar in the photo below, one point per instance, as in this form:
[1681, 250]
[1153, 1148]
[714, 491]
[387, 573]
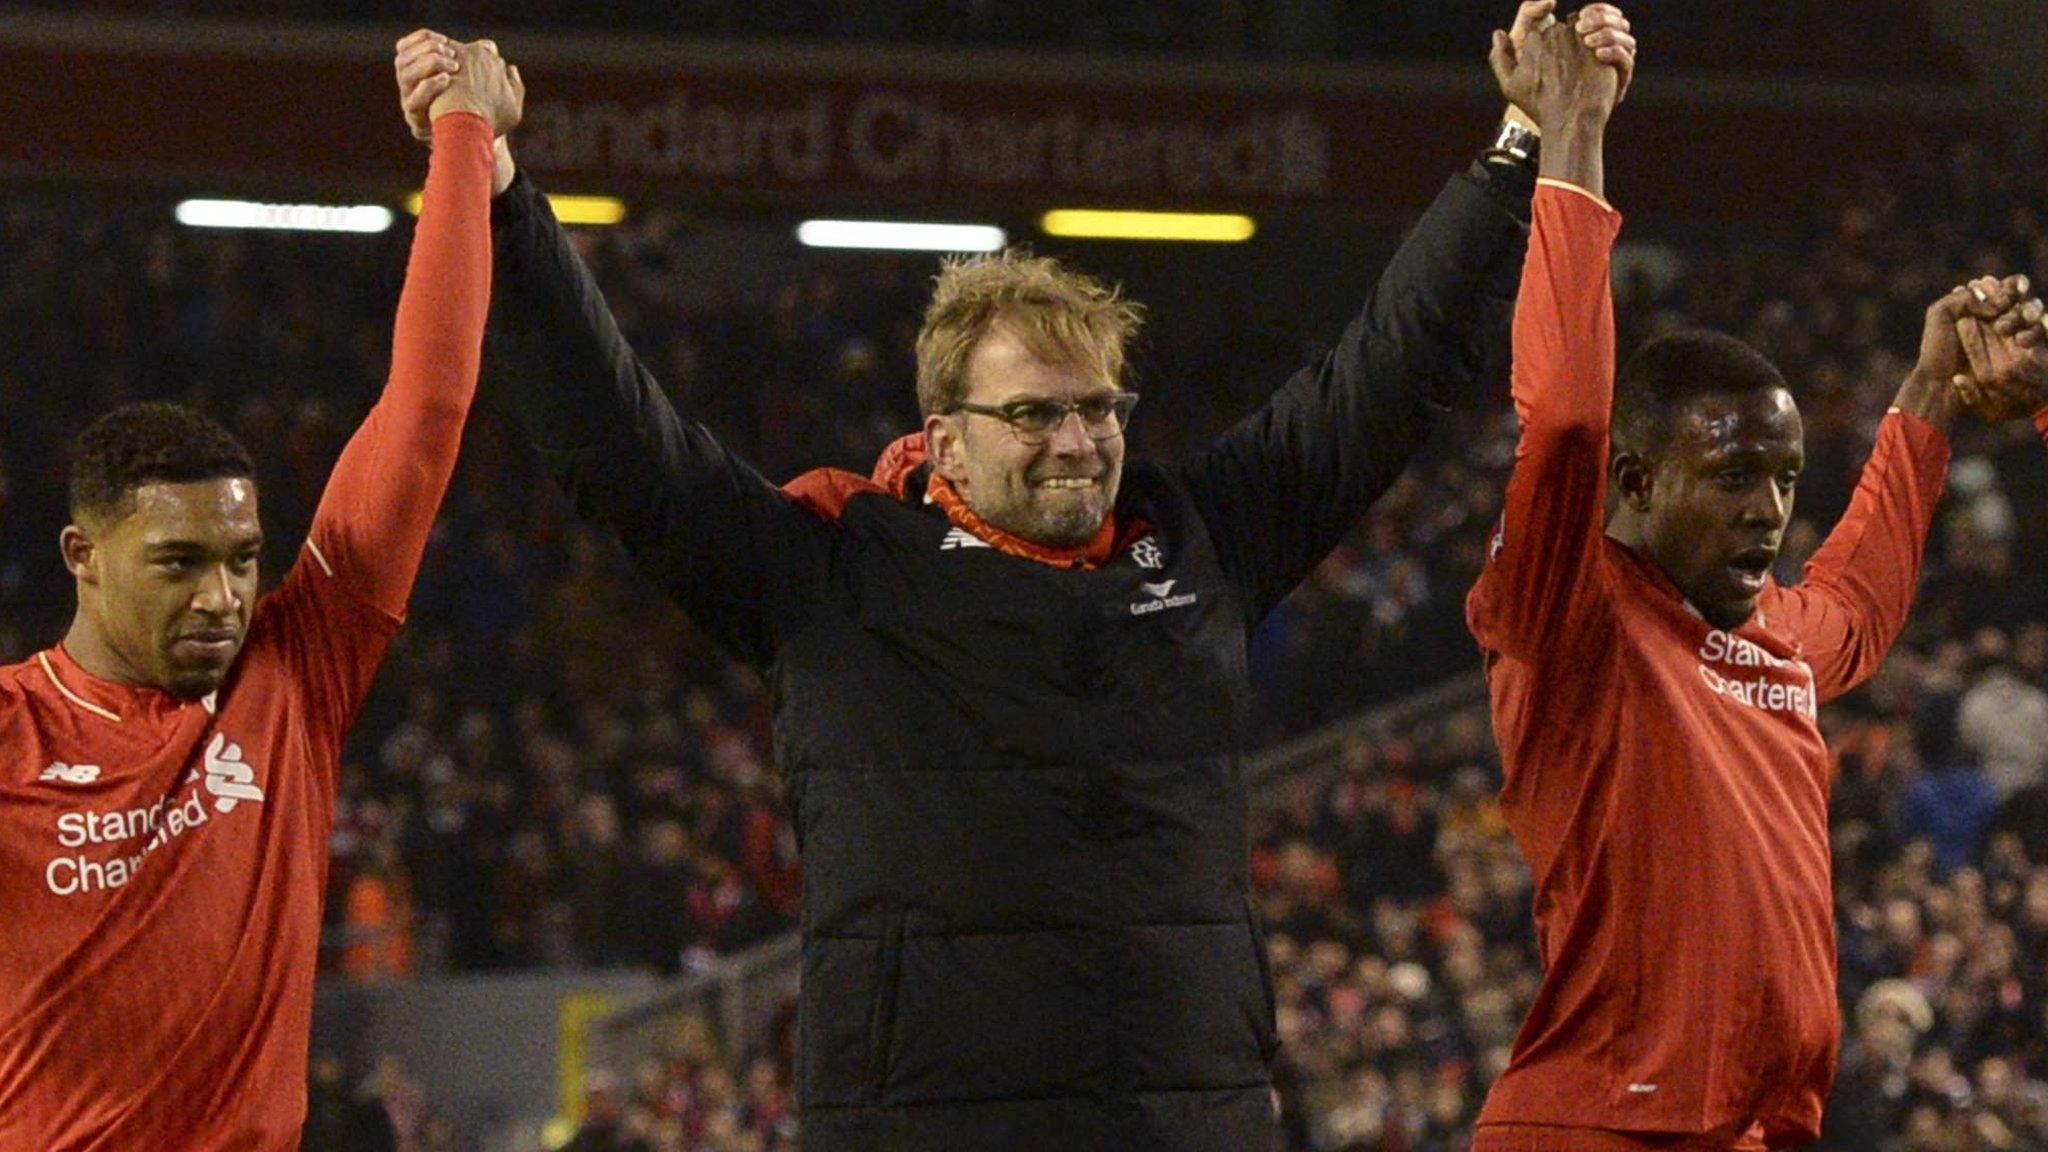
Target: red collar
[1090, 556]
[103, 698]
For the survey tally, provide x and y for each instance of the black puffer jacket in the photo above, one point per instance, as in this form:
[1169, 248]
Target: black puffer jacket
[1017, 787]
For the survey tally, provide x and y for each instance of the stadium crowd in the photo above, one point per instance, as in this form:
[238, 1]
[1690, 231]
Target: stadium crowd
[555, 771]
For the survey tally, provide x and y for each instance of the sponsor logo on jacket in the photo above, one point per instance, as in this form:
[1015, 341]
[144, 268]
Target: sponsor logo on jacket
[1161, 598]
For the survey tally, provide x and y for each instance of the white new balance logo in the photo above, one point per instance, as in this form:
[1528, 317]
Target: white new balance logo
[62, 773]
[228, 776]
[961, 538]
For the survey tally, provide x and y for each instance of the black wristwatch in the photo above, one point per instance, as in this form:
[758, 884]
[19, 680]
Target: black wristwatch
[1514, 143]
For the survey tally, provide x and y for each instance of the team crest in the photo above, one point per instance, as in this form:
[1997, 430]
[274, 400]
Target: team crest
[229, 777]
[1147, 554]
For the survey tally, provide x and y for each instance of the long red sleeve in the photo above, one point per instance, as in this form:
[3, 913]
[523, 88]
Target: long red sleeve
[1542, 572]
[345, 598]
[1859, 586]
[372, 525]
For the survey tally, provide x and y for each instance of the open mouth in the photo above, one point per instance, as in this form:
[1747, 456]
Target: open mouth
[1751, 566]
[1067, 483]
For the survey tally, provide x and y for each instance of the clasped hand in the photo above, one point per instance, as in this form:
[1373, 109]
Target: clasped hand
[1987, 339]
[437, 75]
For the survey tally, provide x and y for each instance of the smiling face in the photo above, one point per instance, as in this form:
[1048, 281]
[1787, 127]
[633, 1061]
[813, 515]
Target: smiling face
[1057, 494]
[1711, 501]
[166, 584]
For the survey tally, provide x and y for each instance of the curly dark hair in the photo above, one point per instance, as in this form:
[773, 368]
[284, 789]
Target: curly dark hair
[1675, 369]
[152, 443]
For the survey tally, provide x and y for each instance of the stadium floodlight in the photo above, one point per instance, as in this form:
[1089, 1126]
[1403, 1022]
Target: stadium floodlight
[1096, 224]
[568, 209]
[284, 217]
[900, 236]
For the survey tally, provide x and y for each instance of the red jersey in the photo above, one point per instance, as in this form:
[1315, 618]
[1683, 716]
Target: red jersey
[163, 862]
[1666, 779]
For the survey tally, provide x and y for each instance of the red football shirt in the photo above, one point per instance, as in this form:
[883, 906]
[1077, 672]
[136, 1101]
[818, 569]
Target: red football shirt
[1666, 779]
[163, 862]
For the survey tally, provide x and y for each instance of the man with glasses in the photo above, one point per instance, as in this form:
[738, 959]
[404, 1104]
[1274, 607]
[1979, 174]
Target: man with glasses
[1009, 671]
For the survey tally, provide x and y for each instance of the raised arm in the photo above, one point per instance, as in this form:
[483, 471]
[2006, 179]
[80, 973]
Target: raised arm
[726, 544]
[1982, 347]
[1859, 586]
[346, 595]
[372, 524]
[1279, 489]
[1541, 586]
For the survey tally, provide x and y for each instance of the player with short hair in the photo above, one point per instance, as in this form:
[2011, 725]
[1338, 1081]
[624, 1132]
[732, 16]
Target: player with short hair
[1656, 692]
[168, 771]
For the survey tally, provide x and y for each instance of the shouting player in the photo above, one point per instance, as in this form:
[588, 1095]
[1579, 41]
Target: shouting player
[1655, 692]
[167, 772]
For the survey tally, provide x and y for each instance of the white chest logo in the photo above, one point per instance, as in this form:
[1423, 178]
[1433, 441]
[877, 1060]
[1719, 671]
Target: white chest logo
[1162, 598]
[1748, 674]
[1146, 553]
[62, 773]
[229, 778]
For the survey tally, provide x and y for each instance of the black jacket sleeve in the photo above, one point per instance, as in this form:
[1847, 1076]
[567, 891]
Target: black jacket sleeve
[735, 551]
[1279, 490]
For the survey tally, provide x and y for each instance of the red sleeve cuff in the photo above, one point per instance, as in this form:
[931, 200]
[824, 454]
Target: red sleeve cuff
[455, 125]
[1569, 188]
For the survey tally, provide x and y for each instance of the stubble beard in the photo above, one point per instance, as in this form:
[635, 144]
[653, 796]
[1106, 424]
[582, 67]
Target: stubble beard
[1066, 523]
[194, 683]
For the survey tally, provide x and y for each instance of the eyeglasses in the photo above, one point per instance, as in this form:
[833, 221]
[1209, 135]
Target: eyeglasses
[1034, 421]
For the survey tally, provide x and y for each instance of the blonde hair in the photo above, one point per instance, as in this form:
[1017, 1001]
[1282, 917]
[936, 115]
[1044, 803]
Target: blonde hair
[1062, 317]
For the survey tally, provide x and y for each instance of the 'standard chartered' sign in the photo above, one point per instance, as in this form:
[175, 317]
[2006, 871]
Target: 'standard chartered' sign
[891, 135]
[245, 109]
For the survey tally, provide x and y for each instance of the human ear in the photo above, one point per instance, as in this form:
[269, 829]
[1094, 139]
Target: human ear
[945, 443]
[1634, 479]
[79, 551]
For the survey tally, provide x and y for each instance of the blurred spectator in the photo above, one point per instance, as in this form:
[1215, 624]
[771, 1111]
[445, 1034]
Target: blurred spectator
[339, 1116]
[2003, 721]
[605, 1127]
[377, 918]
